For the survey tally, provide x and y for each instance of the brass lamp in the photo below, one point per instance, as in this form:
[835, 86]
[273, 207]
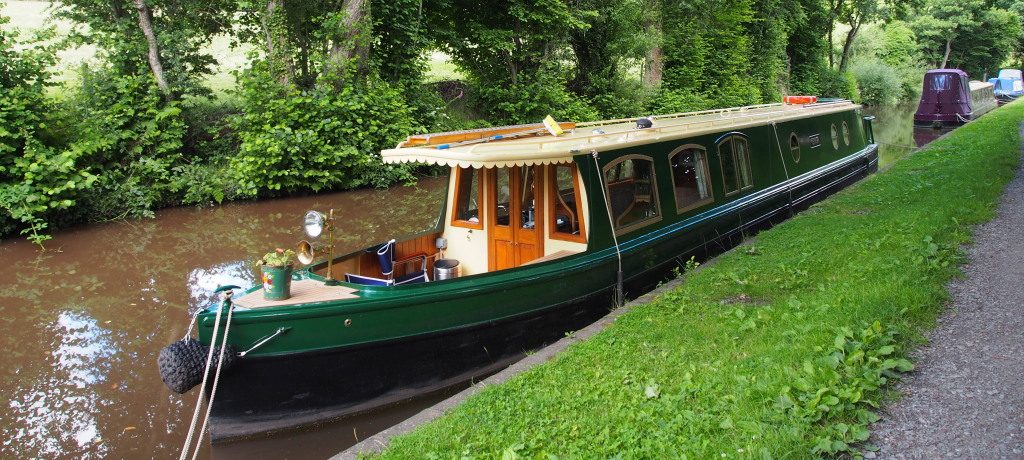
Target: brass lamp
[315, 224]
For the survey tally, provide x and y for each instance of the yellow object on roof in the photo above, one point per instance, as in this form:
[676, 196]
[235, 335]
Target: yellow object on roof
[526, 145]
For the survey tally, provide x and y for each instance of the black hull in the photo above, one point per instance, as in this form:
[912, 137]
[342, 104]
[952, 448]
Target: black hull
[264, 395]
[261, 395]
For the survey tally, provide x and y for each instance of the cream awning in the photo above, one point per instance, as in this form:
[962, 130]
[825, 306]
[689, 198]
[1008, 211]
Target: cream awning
[506, 156]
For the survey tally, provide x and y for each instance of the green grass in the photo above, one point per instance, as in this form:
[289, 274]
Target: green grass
[791, 370]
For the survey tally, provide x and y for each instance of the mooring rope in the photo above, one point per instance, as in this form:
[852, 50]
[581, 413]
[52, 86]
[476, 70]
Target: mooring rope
[206, 373]
[216, 376]
[619, 300]
[778, 143]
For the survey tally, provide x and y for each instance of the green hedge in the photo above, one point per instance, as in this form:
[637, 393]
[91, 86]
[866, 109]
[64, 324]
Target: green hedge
[781, 348]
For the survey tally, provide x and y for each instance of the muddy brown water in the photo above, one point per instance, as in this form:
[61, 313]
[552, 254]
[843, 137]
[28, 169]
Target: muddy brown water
[82, 322]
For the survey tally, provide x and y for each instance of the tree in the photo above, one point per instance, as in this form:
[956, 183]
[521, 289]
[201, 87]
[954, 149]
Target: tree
[163, 38]
[514, 54]
[967, 34]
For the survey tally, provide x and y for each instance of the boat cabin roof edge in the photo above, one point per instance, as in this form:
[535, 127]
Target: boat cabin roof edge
[546, 149]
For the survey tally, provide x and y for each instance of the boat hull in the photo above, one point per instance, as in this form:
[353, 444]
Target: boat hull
[287, 390]
[276, 393]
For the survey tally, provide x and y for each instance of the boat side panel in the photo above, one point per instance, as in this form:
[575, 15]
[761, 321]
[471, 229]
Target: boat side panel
[402, 312]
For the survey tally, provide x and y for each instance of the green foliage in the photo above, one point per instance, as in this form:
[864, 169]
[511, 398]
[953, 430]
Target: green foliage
[707, 51]
[533, 97]
[877, 83]
[132, 136]
[513, 55]
[35, 181]
[846, 289]
[834, 83]
[839, 387]
[324, 138]
[978, 36]
[183, 30]
[278, 258]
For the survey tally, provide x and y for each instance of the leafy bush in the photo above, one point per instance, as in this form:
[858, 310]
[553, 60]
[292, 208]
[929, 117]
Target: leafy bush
[878, 83]
[324, 138]
[532, 98]
[833, 83]
[36, 181]
[132, 137]
[673, 101]
[846, 380]
[628, 98]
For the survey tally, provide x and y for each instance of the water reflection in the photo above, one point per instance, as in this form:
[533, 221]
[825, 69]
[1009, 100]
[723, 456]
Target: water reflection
[896, 134]
[59, 411]
[84, 321]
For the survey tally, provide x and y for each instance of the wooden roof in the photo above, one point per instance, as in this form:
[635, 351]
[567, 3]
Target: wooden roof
[509, 147]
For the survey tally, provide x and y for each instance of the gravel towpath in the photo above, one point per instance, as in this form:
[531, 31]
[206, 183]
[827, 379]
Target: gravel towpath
[966, 397]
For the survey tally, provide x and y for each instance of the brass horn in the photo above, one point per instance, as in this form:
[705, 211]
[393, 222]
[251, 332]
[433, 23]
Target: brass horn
[306, 253]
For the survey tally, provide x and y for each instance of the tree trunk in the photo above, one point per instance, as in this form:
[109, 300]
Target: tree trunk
[654, 62]
[945, 57]
[848, 45]
[146, 24]
[277, 45]
[833, 12]
[355, 39]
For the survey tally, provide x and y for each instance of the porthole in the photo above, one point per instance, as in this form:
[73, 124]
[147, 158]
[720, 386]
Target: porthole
[794, 147]
[835, 137]
[846, 134]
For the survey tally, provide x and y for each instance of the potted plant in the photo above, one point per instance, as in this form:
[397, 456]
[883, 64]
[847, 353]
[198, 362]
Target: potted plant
[276, 268]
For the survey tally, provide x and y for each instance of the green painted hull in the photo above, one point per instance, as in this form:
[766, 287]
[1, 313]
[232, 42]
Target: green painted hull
[387, 317]
[400, 312]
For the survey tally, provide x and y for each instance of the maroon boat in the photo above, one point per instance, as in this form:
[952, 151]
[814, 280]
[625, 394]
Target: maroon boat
[950, 99]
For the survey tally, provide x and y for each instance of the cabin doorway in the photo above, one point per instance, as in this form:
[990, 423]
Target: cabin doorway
[515, 216]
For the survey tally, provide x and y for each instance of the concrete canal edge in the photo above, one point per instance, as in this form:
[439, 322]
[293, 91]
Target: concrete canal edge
[379, 441]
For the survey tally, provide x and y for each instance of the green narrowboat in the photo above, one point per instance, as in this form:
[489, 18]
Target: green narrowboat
[540, 233]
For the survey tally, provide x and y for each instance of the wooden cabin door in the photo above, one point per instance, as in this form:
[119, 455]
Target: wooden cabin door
[515, 216]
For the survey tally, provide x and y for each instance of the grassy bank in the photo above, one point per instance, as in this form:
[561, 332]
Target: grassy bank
[781, 348]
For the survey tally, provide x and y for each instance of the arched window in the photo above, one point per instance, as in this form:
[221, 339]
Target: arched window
[565, 204]
[632, 192]
[734, 157]
[689, 165]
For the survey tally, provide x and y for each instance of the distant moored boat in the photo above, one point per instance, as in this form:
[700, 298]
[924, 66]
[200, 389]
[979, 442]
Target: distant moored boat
[949, 99]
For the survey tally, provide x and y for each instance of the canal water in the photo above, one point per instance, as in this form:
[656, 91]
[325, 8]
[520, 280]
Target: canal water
[83, 321]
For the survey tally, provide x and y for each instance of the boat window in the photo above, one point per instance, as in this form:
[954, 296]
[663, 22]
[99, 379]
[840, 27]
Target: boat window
[632, 194]
[566, 221]
[735, 160]
[835, 137]
[846, 134]
[502, 213]
[468, 197]
[794, 147]
[527, 205]
[690, 177]
[941, 81]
